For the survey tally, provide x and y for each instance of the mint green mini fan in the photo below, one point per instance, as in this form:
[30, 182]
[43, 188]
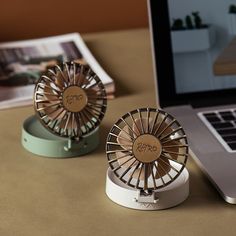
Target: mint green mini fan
[70, 103]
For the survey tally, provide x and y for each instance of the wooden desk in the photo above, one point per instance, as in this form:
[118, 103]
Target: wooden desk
[41, 196]
[225, 63]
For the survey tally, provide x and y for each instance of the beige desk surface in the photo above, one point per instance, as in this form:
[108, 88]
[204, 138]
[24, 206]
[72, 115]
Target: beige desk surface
[41, 196]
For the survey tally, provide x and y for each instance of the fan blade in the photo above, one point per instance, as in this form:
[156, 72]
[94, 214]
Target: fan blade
[81, 61]
[60, 80]
[49, 94]
[163, 167]
[124, 157]
[173, 146]
[160, 125]
[124, 138]
[80, 79]
[137, 127]
[161, 128]
[47, 109]
[66, 123]
[141, 125]
[163, 131]
[57, 114]
[62, 124]
[91, 92]
[141, 176]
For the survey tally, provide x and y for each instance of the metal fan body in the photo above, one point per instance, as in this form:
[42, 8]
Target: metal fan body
[147, 151]
[70, 103]
[70, 100]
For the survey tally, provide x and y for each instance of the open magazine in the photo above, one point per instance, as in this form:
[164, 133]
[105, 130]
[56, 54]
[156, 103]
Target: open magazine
[23, 62]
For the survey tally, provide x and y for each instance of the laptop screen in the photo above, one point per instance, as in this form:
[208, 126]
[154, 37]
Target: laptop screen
[202, 38]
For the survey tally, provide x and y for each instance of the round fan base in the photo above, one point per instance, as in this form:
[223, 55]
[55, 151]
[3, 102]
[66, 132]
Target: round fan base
[38, 140]
[166, 197]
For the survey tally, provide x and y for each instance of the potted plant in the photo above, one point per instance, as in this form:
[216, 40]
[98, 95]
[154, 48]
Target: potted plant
[232, 19]
[191, 34]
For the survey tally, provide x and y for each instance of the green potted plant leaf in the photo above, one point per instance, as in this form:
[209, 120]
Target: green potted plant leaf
[178, 24]
[189, 22]
[232, 9]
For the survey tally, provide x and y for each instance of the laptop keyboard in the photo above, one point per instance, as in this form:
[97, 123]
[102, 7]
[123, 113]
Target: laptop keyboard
[222, 123]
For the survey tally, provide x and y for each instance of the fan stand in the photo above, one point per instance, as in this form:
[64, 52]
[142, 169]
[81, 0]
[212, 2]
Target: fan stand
[166, 197]
[147, 150]
[38, 140]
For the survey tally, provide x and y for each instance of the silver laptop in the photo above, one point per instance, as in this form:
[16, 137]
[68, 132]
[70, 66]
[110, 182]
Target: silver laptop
[194, 54]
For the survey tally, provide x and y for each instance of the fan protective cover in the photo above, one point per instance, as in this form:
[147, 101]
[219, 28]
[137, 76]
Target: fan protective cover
[70, 100]
[147, 149]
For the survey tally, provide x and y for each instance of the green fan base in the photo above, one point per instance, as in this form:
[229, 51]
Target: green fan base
[38, 140]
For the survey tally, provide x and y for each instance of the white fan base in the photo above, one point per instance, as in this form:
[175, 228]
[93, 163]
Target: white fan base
[166, 197]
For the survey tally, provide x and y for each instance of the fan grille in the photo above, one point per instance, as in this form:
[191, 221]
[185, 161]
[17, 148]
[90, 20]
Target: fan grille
[147, 149]
[70, 100]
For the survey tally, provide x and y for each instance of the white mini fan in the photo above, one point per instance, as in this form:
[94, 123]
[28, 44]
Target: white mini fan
[147, 151]
[70, 103]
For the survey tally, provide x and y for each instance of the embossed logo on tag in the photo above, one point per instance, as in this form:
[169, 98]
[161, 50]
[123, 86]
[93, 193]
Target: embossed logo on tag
[147, 148]
[71, 99]
[143, 147]
[74, 99]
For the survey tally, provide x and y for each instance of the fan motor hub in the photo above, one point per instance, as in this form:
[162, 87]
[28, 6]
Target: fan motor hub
[74, 99]
[147, 148]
